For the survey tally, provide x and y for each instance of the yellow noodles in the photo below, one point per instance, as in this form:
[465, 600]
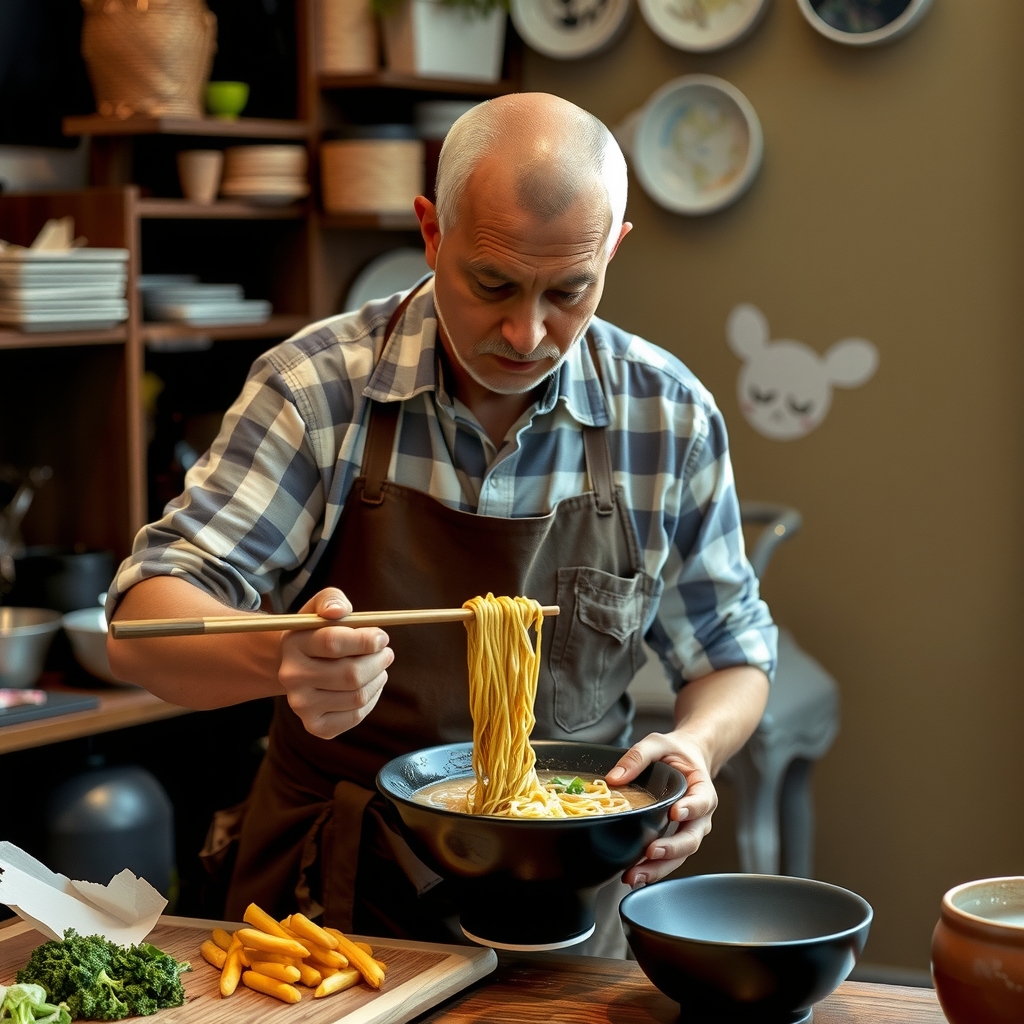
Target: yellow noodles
[503, 670]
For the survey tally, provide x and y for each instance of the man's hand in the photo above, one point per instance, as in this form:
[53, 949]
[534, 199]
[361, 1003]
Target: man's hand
[333, 676]
[714, 716]
[693, 812]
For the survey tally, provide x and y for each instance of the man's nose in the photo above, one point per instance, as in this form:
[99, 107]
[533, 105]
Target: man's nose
[524, 328]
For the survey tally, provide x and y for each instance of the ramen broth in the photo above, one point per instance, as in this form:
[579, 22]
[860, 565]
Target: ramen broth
[452, 794]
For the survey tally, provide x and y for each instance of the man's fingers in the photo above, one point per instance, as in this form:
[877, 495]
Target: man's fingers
[700, 801]
[637, 758]
[328, 723]
[329, 603]
[338, 642]
[333, 675]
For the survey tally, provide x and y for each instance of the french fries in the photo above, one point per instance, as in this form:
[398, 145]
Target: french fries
[273, 957]
[255, 939]
[337, 983]
[270, 987]
[213, 954]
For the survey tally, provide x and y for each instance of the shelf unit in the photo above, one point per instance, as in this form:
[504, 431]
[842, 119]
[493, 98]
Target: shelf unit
[86, 387]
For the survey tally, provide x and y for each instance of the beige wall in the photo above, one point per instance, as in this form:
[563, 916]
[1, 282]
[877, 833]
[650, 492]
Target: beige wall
[889, 206]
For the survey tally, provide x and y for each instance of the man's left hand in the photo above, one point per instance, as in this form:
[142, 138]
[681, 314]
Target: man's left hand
[693, 812]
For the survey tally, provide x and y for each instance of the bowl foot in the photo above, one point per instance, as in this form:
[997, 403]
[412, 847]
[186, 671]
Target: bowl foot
[528, 947]
[527, 915]
[797, 1017]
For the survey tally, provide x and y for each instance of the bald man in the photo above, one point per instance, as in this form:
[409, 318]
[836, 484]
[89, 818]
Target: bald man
[482, 432]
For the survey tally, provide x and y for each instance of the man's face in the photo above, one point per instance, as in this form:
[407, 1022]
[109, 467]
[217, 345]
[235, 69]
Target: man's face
[514, 291]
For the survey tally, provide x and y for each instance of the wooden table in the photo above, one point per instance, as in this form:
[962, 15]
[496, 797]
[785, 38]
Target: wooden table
[119, 708]
[586, 990]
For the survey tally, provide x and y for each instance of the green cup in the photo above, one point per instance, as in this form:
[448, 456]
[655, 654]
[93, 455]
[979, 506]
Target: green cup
[226, 99]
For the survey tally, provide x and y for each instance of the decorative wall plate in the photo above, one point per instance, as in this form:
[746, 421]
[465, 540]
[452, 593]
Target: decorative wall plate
[862, 22]
[391, 272]
[570, 29]
[702, 25]
[698, 145]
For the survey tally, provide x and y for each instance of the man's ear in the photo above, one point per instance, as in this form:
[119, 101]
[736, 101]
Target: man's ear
[626, 228]
[426, 214]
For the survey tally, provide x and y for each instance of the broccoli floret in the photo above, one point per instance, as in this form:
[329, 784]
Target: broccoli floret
[102, 981]
[26, 1004]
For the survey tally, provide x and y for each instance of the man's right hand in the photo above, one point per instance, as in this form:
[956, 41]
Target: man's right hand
[333, 676]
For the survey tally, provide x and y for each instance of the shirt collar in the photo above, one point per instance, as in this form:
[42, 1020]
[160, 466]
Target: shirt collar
[408, 366]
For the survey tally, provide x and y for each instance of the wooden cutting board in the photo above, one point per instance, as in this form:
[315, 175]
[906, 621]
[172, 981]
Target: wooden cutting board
[420, 975]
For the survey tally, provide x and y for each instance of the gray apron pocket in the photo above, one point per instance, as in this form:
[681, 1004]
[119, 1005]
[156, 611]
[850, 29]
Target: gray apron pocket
[596, 647]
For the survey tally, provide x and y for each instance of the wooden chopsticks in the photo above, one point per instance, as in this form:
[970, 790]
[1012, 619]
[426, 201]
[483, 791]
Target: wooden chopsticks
[139, 629]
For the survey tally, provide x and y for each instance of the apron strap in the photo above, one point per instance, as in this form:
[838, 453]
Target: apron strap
[380, 431]
[596, 452]
[380, 441]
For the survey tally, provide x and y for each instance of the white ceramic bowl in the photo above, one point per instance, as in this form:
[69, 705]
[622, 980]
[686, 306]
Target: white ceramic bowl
[570, 29]
[25, 637]
[87, 631]
[861, 23]
[698, 145]
[700, 26]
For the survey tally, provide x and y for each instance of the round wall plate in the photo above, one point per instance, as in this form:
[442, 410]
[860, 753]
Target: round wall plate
[862, 22]
[393, 271]
[570, 29]
[699, 26]
[698, 145]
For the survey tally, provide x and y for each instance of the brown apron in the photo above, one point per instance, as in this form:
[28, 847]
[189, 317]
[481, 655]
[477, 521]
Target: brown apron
[315, 836]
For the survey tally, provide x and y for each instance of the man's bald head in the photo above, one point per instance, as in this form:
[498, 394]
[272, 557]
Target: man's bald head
[557, 152]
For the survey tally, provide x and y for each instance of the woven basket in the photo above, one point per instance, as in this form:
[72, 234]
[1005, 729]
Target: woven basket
[347, 37]
[148, 57]
[371, 175]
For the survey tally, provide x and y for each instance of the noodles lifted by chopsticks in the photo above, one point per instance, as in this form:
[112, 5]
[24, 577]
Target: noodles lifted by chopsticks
[503, 669]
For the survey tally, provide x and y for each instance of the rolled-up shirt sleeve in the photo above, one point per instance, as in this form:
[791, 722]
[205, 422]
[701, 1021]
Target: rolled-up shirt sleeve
[711, 615]
[249, 508]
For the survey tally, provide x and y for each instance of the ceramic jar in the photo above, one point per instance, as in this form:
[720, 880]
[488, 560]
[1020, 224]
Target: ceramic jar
[148, 57]
[978, 952]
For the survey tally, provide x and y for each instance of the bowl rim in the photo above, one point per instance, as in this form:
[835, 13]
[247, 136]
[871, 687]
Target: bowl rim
[581, 822]
[951, 908]
[645, 165]
[899, 26]
[50, 624]
[780, 944]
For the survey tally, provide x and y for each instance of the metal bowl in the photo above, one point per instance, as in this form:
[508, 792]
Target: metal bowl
[25, 637]
[526, 883]
[87, 631]
[748, 949]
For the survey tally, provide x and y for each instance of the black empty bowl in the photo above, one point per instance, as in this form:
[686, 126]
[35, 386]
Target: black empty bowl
[746, 949]
[526, 883]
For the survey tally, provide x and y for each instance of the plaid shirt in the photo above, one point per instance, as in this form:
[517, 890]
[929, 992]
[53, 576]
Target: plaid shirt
[259, 508]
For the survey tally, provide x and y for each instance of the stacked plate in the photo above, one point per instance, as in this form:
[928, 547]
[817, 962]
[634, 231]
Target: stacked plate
[76, 290]
[265, 175]
[180, 298]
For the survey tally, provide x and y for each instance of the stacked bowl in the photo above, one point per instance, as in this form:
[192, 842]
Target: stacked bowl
[265, 175]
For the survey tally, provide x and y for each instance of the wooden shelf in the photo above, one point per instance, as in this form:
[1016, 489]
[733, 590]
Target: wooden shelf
[371, 221]
[10, 338]
[119, 708]
[279, 326]
[413, 83]
[241, 127]
[225, 209]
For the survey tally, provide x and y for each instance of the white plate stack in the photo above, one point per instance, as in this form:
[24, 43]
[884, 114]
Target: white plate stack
[265, 175]
[180, 298]
[75, 290]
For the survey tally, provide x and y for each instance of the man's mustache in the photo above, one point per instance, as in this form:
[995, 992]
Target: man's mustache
[500, 347]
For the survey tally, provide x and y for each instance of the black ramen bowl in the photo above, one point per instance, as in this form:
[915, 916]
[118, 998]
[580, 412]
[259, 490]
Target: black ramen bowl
[746, 949]
[526, 883]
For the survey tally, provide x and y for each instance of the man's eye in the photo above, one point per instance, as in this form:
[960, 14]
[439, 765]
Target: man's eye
[492, 289]
[568, 298]
[762, 396]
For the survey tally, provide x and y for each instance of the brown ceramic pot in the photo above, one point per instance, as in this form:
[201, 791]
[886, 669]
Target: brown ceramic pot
[978, 952]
